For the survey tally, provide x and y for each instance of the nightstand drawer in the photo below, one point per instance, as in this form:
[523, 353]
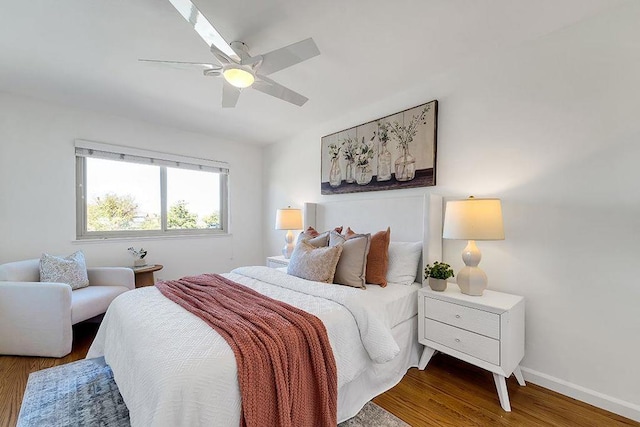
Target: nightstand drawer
[471, 319]
[467, 342]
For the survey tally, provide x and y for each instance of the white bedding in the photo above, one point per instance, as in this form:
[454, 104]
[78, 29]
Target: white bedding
[396, 302]
[173, 369]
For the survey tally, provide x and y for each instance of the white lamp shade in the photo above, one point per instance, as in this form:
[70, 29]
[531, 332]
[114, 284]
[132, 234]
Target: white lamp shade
[289, 219]
[473, 219]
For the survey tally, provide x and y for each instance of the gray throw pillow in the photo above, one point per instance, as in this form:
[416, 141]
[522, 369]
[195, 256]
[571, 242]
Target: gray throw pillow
[318, 241]
[352, 266]
[71, 270]
[311, 263]
[315, 238]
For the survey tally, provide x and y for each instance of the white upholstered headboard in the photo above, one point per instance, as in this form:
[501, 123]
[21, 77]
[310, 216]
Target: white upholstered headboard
[412, 219]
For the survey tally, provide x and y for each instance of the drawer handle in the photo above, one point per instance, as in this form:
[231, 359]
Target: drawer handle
[457, 339]
[457, 316]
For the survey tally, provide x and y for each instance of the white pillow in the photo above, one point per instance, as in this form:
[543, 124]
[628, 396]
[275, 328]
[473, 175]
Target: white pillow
[403, 262]
[71, 270]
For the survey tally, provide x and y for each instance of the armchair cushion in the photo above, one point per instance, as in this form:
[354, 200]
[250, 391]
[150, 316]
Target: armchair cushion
[93, 300]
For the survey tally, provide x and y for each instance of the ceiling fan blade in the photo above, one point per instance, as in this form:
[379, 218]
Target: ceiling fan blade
[203, 27]
[279, 59]
[221, 56]
[184, 65]
[230, 94]
[268, 86]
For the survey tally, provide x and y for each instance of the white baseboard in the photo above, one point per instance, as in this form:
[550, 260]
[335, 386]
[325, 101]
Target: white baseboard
[608, 403]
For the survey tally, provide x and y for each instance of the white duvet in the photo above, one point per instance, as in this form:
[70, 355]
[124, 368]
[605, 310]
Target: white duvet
[173, 369]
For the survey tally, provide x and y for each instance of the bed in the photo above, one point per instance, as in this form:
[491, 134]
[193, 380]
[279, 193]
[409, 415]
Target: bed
[173, 369]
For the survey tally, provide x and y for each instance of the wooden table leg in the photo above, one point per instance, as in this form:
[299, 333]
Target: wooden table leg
[145, 279]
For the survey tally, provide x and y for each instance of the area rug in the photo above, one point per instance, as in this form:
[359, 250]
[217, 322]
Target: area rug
[83, 393]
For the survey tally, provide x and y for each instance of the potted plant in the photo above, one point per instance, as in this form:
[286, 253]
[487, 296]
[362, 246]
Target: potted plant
[138, 255]
[438, 275]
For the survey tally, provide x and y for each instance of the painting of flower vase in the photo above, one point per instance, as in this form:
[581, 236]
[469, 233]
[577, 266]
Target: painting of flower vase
[392, 152]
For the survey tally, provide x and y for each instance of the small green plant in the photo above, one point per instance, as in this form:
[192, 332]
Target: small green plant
[439, 270]
[137, 253]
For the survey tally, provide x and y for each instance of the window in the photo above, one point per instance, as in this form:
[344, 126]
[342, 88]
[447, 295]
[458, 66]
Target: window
[124, 192]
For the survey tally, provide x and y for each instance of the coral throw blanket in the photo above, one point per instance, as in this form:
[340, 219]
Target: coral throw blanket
[286, 369]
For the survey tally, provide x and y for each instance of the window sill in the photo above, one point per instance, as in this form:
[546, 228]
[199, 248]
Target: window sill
[137, 239]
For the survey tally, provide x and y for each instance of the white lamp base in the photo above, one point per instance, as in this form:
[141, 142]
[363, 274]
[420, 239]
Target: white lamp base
[471, 279]
[288, 248]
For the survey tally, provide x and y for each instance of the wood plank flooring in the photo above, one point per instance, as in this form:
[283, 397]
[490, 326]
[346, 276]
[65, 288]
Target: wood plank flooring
[454, 393]
[448, 393]
[15, 370]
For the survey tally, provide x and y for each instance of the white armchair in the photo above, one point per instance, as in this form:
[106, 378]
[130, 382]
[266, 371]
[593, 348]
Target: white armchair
[36, 317]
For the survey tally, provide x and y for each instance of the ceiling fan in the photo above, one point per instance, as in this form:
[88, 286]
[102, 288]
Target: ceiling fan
[239, 69]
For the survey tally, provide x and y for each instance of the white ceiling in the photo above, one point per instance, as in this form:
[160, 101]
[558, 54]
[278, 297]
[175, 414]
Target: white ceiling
[84, 53]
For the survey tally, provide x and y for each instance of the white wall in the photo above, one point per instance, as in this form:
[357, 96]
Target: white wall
[551, 128]
[37, 189]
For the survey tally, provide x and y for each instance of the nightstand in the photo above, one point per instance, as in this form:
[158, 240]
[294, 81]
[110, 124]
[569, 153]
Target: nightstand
[486, 331]
[144, 275]
[277, 261]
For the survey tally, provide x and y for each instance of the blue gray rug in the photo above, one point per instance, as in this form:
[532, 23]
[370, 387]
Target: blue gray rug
[83, 393]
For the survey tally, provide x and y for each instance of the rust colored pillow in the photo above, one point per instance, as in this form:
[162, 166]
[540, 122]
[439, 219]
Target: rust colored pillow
[378, 258]
[310, 233]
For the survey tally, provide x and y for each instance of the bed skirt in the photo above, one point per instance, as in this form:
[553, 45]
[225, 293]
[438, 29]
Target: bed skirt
[376, 378]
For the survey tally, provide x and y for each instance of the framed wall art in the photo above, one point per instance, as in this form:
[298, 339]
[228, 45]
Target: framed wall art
[392, 152]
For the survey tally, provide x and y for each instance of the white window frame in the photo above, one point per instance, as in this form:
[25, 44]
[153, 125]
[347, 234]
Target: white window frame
[84, 149]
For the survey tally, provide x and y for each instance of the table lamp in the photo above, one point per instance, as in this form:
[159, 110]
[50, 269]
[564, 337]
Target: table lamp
[288, 219]
[473, 219]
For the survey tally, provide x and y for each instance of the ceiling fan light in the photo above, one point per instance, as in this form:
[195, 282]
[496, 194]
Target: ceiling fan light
[238, 77]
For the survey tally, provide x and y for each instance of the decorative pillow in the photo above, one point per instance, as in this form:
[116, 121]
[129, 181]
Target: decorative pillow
[319, 241]
[403, 262]
[309, 233]
[71, 270]
[316, 239]
[378, 258]
[311, 263]
[352, 266]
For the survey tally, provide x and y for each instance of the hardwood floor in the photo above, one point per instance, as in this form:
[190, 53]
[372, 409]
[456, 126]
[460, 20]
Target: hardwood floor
[448, 393]
[454, 393]
[15, 370]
